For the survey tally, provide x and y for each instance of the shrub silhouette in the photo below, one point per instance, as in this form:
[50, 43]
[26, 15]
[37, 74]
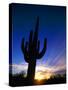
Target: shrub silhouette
[31, 51]
[20, 80]
[57, 79]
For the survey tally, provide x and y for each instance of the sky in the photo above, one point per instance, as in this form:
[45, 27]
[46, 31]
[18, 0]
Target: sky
[52, 26]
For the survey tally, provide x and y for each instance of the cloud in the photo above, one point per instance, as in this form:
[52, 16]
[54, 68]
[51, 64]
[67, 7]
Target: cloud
[18, 68]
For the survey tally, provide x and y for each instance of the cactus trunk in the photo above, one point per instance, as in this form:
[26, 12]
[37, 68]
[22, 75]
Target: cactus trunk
[31, 70]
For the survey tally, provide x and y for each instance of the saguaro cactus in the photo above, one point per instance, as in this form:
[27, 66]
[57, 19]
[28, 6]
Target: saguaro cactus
[31, 51]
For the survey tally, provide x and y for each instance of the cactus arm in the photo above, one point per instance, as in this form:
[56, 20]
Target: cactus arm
[43, 50]
[25, 50]
[26, 47]
[26, 53]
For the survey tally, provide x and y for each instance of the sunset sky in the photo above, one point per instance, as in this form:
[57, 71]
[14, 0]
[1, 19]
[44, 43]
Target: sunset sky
[52, 25]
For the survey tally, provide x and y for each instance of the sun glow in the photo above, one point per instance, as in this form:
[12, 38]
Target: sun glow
[41, 76]
[38, 76]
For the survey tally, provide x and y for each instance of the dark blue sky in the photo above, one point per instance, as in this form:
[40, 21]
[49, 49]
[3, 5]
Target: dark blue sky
[52, 25]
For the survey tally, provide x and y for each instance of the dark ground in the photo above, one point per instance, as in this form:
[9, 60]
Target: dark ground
[19, 80]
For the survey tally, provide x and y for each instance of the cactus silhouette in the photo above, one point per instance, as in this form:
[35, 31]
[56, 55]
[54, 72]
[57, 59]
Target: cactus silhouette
[31, 51]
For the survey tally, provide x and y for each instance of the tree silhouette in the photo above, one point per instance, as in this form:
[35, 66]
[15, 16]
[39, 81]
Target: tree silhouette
[31, 51]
